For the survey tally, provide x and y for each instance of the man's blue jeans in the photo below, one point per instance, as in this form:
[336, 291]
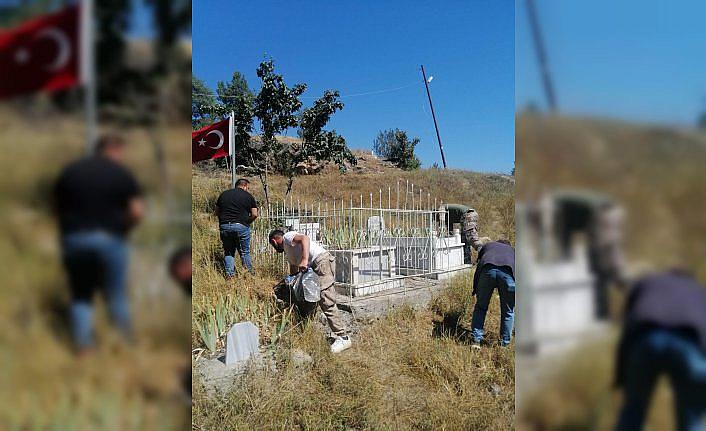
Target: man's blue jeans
[493, 277]
[96, 260]
[236, 236]
[664, 351]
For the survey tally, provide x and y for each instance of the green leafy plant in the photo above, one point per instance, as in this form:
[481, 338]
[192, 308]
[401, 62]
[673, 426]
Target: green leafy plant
[395, 146]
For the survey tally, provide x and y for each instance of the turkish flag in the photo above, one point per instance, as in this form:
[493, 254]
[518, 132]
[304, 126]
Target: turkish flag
[41, 54]
[211, 142]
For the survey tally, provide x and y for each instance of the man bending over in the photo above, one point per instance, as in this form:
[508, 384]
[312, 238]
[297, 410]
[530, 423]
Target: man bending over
[302, 253]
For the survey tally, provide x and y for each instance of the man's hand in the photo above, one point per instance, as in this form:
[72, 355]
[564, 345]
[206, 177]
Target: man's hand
[303, 241]
[304, 265]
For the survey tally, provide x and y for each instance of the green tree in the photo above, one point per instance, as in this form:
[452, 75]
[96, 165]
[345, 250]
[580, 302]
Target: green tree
[203, 104]
[318, 146]
[236, 97]
[172, 18]
[207, 108]
[395, 146]
[229, 92]
[275, 107]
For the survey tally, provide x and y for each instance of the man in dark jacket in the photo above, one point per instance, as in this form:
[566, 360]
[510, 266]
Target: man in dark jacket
[495, 269]
[664, 333]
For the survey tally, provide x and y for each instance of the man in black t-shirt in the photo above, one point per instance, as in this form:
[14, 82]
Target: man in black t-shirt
[236, 209]
[97, 201]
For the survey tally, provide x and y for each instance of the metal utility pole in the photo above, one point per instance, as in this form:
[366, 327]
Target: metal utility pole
[436, 127]
[541, 56]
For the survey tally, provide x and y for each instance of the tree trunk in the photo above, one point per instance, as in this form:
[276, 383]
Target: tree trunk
[290, 182]
[265, 186]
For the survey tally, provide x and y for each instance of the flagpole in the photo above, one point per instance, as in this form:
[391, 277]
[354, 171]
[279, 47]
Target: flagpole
[231, 148]
[88, 73]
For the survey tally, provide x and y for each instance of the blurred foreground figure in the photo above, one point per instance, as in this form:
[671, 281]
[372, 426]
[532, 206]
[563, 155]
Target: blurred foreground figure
[664, 333]
[98, 202]
[180, 268]
[606, 253]
[495, 270]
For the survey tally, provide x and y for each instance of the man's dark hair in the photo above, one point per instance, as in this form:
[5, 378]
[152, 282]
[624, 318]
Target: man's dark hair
[504, 241]
[276, 233]
[242, 182]
[109, 140]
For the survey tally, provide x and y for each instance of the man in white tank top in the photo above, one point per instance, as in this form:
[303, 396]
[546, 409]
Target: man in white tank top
[303, 252]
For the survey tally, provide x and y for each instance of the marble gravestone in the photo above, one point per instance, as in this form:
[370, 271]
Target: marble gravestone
[376, 224]
[242, 343]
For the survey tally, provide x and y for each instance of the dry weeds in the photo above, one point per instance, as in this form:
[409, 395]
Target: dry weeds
[405, 371]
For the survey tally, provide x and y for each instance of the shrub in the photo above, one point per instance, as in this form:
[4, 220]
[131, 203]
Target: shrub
[395, 146]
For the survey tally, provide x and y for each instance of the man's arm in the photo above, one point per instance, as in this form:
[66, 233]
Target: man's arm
[217, 211]
[135, 211]
[253, 214]
[304, 241]
[293, 269]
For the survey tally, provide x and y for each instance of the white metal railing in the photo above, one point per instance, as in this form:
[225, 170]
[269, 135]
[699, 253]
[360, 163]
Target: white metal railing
[375, 240]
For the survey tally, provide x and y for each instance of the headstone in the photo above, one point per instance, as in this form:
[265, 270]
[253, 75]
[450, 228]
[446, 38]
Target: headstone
[312, 230]
[242, 343]
[376, 224]
[292, 224]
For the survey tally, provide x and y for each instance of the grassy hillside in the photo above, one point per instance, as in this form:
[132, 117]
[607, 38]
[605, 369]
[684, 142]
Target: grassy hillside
[120, 387]
[657, 173]
[398, 374]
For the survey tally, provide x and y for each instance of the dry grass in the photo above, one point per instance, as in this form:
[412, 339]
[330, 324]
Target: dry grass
[490, 194]
[120, 387]
[657, 173]
[402, 373]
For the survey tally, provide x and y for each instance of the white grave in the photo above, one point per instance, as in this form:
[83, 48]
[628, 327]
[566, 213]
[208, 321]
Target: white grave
[242, 343]
[556, 304]
[428, 256]
[362, 271]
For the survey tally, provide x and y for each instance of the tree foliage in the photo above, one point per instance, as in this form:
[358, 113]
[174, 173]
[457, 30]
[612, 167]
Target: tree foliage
[318, 146]
[203, 104]
[275, 109]
[395, 146]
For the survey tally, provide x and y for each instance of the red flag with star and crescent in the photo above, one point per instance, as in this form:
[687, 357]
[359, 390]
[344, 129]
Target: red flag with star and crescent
[211, 142]
[41, 54]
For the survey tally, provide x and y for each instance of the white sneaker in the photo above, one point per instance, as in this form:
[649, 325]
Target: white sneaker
[341, 344]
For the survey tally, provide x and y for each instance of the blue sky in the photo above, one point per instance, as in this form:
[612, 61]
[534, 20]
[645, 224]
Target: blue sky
[359, 47]
[637, 60]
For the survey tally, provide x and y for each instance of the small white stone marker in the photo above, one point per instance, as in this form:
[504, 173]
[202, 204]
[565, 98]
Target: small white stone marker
[242, 343]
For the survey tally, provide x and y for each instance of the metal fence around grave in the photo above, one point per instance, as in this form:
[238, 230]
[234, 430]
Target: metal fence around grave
[377, 240]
